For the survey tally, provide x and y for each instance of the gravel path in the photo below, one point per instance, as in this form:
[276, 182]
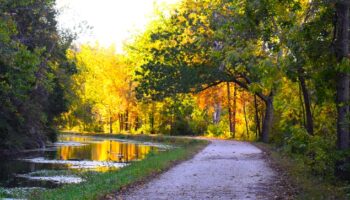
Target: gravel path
[223, 170]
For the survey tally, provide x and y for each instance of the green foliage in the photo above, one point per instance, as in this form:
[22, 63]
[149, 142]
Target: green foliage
[323, 156]
[2, 193]
[33, 69]
[179, 118]
[317, 152]
[199, 122]
[216, 130]
[268, 48]
[298, 141]
[308, 185]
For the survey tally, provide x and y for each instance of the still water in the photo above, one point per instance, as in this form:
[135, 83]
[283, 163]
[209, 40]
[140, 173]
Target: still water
[73, 153]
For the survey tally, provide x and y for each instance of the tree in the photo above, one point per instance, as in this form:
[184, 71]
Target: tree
[341, 49]
[101, 90]
[33, 71]
[191, 52]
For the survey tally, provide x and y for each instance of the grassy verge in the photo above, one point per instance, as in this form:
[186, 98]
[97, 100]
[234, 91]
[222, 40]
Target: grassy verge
[305, 185]
[99, 184]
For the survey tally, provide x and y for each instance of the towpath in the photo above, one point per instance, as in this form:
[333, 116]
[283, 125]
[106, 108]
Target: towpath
[223, 170]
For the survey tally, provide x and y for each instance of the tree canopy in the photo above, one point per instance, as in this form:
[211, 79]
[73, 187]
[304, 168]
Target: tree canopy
[269, 70]
[33, 71]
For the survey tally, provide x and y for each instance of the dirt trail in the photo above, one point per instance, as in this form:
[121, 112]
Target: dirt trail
[223, 170]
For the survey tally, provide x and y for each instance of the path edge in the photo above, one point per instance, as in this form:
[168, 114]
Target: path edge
[128, 188]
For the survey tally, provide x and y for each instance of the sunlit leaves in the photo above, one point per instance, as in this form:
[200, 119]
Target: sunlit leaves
[103, 86]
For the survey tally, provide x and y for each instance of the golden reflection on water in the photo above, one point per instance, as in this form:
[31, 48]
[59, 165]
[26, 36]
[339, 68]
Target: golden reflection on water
[102, 150]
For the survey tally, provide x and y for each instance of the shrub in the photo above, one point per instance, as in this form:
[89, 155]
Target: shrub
[215, 130]
[181, 127]
[317, 151]
[298, 140]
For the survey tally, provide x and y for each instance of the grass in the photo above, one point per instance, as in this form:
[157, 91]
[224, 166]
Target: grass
[306, 185]
[98, 185]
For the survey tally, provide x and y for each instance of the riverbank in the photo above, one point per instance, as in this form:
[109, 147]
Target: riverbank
[97, 185]
[297, 178]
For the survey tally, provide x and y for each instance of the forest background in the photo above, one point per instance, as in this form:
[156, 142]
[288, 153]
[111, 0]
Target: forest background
[275, 71]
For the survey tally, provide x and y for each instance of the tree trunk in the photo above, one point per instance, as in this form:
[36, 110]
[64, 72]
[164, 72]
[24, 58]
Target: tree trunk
[342, 51]
[257, 119]
[302, 118]
[110, 125]
[137, 123]
[229, 108]
[127, 120]
[120, 122]
[234, 110]
[245, 116]
[268, 119]
[217, 113]
[151, 118]
[309, 121]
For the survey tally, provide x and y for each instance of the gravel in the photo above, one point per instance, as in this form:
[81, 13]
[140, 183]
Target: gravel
[223, 170]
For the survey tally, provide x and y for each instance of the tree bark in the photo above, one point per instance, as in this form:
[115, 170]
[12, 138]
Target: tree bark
[268, 119]
[127, 120]
[229, 108]
[245, 116]
[137, 123]
[302, 118]
[120, 122]
[217, 113]
[234, 110]
[342, 51]
[257, 120]
[110, 125]
[151, 118]
[307, 104]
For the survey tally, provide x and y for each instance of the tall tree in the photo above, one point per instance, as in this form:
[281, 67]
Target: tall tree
[230, 109]
[34, 50]
[234, 109]
[341, 47]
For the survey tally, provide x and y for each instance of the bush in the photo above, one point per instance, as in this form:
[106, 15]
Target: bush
[298, 140]
[322, 156]
[318, 152]
[181, 127]
[215, 130]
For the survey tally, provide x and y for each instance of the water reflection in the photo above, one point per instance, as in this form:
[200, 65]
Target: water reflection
[73, 152]
[101, 150]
